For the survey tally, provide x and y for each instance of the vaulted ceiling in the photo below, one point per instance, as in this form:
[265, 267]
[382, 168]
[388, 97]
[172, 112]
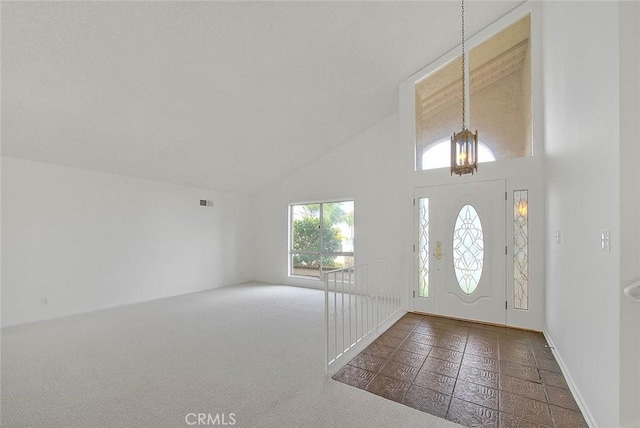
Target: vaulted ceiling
[232, 96]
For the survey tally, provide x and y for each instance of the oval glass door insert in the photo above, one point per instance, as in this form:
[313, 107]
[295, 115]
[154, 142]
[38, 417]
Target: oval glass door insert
[468, 249]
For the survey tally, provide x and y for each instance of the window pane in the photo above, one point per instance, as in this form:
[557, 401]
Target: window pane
[438, 113]
[305, 264]
[500, 101]
[521, 249]
[336, 262]
[321, 237]
[305, 227]
[423, 248]
[468, 249]
[337, 220]
[501, 91]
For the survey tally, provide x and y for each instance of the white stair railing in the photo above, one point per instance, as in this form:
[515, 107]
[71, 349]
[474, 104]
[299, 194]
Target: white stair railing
[358, 301]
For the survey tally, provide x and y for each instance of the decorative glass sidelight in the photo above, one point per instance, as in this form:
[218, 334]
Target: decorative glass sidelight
[468, 249]
[423, 248]
[521, 249]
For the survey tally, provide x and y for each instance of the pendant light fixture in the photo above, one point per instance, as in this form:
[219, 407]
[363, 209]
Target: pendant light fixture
[464, 144]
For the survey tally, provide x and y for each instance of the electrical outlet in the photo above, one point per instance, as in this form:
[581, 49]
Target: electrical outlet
[558, 237]
[44, 301]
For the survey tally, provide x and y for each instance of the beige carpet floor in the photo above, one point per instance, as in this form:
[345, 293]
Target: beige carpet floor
[253, 350]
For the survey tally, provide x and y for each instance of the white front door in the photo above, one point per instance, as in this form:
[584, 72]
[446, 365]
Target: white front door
[460, 251]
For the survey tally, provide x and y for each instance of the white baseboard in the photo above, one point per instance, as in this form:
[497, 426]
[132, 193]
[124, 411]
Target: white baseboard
[572, 386]
[98, 308]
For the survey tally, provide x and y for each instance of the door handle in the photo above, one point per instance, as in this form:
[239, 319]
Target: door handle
[438, 252]
[633, 291]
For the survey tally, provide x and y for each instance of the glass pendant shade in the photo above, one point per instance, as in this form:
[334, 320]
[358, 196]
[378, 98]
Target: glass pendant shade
[464, 152]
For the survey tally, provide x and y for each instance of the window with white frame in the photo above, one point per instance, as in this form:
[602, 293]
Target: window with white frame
[321, 237]
[500, 100]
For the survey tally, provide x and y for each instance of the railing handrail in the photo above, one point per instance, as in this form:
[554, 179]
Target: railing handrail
[362, 265]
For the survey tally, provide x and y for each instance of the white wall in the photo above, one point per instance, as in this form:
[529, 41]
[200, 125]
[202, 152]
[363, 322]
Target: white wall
[87, 240]
[630, 211]
[582, 141]
[376, 169]
[369, 168]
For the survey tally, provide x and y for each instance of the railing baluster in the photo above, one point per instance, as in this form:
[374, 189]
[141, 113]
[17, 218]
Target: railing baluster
[342, 309]
[365, 272]
[350, 292]
[335, 317]
[372, 300]
[357, 300]
[380, 296]
[326, 321]
[387, 296]
[369, 296]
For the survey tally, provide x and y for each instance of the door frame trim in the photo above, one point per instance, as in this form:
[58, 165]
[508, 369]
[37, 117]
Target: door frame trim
[430, 303]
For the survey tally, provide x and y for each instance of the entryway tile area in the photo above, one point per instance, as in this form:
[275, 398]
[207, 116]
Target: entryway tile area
[473, 374]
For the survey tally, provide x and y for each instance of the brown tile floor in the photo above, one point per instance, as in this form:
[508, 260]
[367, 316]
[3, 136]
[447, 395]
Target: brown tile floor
[469, 373]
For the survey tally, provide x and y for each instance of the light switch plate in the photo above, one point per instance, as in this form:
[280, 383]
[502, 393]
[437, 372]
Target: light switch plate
[605, 240]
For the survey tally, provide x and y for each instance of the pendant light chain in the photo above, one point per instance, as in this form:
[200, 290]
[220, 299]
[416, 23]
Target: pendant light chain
[464, 144]
[464, 80]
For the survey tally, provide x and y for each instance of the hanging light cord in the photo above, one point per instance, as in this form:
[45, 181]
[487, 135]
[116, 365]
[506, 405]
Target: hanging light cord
[463, 73]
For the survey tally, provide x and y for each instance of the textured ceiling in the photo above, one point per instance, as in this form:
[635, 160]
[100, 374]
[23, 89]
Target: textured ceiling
[231, 96]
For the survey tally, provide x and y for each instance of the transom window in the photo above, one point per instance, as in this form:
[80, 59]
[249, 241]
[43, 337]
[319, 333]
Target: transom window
[500, 100]
[321, 237]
